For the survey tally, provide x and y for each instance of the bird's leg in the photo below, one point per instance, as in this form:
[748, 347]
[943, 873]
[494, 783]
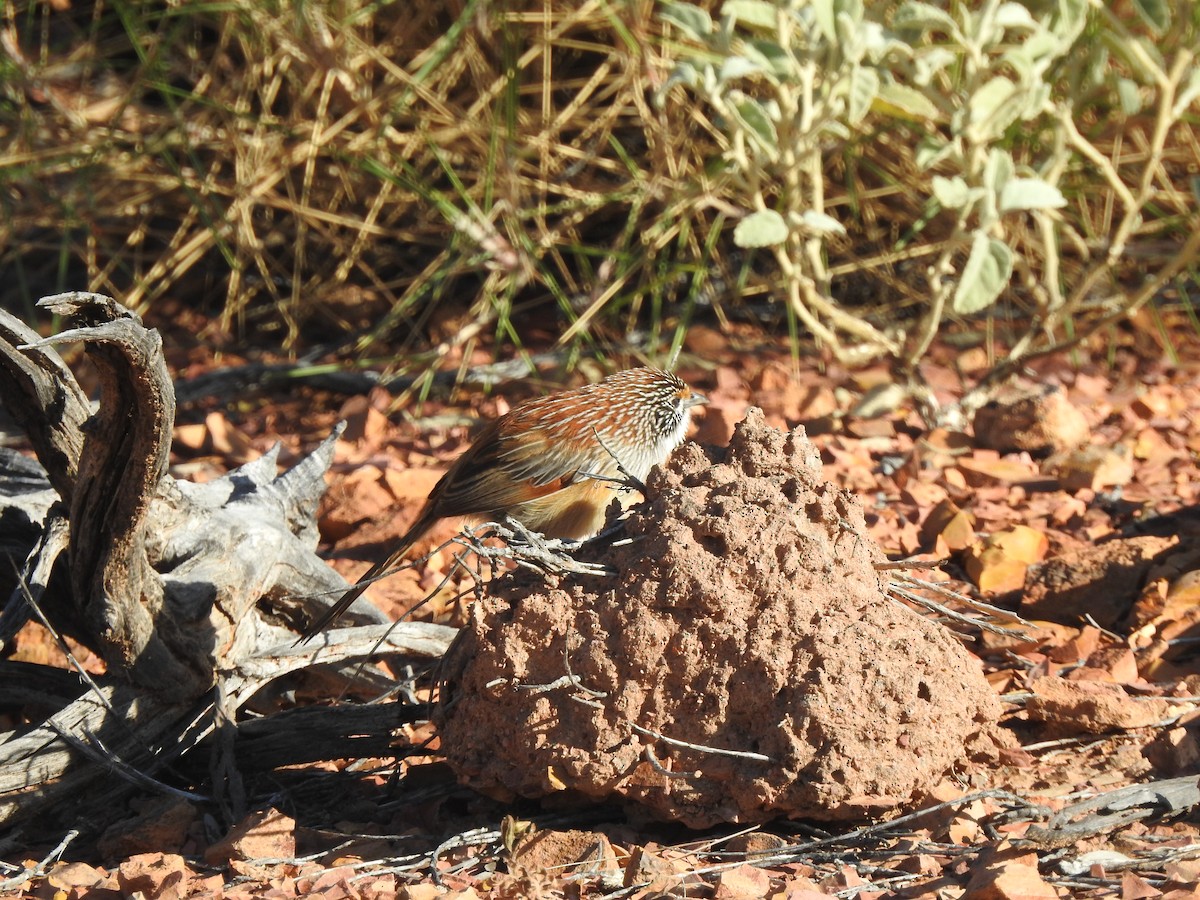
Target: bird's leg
[520, 534]
[532, 550]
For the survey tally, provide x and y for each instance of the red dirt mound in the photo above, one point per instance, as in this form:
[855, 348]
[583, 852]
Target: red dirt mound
[746, 616]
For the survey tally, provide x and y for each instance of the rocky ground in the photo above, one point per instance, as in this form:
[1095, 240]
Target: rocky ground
[935, 757]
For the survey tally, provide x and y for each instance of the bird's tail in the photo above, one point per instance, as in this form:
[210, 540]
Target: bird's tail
[331, 615]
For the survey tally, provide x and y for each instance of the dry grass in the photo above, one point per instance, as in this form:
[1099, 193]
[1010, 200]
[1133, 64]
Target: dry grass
[424, 175]
[397, 169]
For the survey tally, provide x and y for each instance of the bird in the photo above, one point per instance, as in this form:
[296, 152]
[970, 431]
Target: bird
[550, 462]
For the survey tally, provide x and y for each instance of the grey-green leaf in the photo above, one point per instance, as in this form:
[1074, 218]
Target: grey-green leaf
[757, 121]
[908, 100]
[1014, 15]
[825, 12]
[924, 16]
[984, 276]
[864, 85]
[851, 8]
[952, 193]
[754, 13]
[998, 169]
[1155, 13]
[692, 20]
[932, 150]
[733, 67]
[1070, 19]
[1030, 193]
[765, 228]
[1187, 94]
[821, 223]
[929, 62]
[996, 172]
[985, 106]
[1130, 95]
[771, 57]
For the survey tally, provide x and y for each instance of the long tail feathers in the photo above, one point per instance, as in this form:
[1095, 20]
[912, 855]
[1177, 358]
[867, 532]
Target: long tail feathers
[347, 599]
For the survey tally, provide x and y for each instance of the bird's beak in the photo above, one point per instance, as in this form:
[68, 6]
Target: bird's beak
[695, 400]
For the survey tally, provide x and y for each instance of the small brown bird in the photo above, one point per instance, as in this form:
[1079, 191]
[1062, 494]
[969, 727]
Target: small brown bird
[533, 463]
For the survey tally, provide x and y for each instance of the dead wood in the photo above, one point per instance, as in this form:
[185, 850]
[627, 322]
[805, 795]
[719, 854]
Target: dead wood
[1118, 808]
[25, 500]
[314, 733]
[41, 394]
[179, 587]
[43, 772]
[122, 466]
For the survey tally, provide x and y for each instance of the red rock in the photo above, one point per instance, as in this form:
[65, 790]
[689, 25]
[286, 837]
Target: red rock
[1135, 888]
[1006, 874]
[746, 882]
[161, 824]
[264, 834]
[717, 421]
[159, 875]
[1091, 707]
[1093, 468]
[80, 878]
[1039, 421]
[565, 852]
[1175, 751]
[1102, 581]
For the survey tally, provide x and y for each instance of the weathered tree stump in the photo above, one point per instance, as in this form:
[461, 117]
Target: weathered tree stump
[192, 594]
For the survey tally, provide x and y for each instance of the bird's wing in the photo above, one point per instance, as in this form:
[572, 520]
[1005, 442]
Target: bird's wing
[549, 459]
[499, 471]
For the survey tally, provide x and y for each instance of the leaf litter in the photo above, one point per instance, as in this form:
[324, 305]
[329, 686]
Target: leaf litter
[1085, 532]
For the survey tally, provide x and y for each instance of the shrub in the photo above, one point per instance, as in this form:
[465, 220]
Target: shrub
[1006, 129]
